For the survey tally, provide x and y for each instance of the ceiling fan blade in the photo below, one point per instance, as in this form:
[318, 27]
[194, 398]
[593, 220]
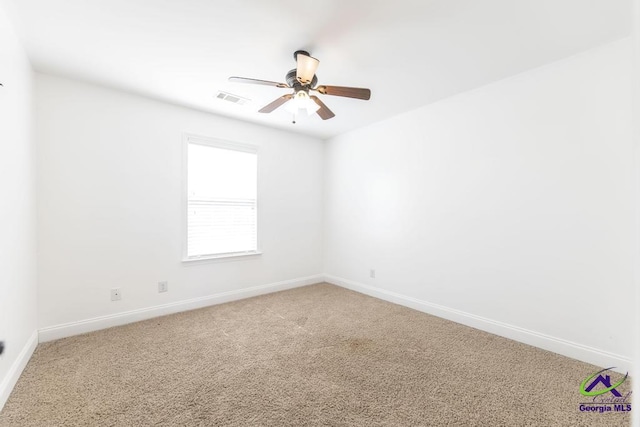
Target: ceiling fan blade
[258, 82]
[275, 104]
[349, 92]
[324, 111]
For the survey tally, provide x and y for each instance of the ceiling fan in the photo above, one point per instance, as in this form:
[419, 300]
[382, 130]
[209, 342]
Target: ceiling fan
[303, 80]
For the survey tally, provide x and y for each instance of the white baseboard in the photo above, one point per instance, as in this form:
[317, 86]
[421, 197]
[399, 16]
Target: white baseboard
[89, 325]
[557, 345]
[10, 380]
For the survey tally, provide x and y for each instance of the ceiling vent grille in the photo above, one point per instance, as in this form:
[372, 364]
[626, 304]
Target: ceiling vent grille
[236, 99]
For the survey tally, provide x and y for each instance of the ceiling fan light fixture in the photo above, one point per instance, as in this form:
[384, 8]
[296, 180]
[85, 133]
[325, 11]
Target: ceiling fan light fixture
[302, 101]
[307, 67]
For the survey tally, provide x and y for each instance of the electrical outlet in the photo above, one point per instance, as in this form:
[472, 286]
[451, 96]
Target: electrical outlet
[116, 295]
[163, 286]
[372, 273]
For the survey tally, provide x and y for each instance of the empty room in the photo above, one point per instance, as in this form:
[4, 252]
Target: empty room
[305, 213]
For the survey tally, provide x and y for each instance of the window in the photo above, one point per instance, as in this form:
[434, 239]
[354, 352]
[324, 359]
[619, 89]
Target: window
[221, 199]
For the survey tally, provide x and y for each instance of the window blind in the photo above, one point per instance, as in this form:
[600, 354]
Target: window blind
[221, 200]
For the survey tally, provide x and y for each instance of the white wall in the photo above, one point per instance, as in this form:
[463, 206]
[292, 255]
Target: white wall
[110, 206]
[17, 210]
[509, 208]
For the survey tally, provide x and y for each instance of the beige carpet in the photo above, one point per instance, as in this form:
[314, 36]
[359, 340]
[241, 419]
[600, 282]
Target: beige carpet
[318, 355]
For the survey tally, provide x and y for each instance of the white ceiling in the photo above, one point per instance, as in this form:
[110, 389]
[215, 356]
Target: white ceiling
[409, 53]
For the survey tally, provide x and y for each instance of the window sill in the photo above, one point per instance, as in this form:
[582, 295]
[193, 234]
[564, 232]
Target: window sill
[222, 257]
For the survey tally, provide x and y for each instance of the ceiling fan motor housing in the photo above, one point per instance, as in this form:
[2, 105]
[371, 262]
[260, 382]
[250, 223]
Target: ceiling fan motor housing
[292, 81]
[295, 54]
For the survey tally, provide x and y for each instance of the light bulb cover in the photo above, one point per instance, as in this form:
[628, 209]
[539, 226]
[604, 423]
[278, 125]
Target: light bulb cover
[302, 101]
[312, 107]
[307, 67]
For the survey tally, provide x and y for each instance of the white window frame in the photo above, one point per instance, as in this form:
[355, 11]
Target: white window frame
[188, 138]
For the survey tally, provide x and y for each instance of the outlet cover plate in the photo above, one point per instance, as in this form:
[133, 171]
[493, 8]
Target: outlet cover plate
[116, 295]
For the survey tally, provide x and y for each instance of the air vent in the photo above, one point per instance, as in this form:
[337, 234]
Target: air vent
[236, 99]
